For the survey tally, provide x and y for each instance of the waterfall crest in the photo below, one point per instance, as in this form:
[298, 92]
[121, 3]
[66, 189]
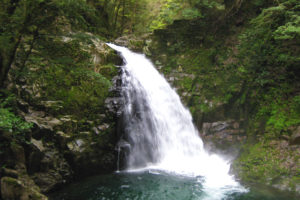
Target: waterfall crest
[159, 129]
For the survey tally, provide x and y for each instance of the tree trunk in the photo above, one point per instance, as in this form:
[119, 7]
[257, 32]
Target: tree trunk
[123, 18]
[7, 62]
[133, 21]
[117, 15]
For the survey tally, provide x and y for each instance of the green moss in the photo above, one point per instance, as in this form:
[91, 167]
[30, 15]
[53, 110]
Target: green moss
[280, 115]
[264, 162]
[9, 121]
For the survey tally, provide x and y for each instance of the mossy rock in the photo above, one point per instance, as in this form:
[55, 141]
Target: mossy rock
[12, 188]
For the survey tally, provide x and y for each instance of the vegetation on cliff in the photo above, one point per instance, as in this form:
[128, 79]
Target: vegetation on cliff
[241, 62]
[56, 74]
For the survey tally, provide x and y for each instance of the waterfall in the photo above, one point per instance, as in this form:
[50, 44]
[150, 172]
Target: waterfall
[159, 129]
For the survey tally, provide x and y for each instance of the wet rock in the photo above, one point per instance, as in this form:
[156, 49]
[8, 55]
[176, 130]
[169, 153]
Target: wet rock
[114, 105]
[123, 150]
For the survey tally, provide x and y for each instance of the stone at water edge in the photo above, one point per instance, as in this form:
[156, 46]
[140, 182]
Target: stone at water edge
[12, 188]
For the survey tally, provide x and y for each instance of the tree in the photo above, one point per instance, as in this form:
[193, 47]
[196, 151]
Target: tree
[17, 19]
[20, 19]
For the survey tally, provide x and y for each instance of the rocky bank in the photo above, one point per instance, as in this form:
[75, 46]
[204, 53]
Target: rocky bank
[70, 137]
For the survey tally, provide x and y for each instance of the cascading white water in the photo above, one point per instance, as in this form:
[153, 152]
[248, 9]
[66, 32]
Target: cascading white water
[159, 129]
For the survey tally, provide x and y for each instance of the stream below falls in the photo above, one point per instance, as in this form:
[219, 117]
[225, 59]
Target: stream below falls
[158, 185]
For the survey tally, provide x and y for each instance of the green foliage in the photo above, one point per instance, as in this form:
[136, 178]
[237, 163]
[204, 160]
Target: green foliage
[82, 15]
[9, 121]
[179, 9]
[191, 13]
[282, 114]
[290, 30]
[169, 12]
[269, 56]
[33, 18]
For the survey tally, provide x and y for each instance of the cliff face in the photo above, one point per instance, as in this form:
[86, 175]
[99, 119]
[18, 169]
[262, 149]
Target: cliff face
[242, 95]
[58, 108]
[56, 73]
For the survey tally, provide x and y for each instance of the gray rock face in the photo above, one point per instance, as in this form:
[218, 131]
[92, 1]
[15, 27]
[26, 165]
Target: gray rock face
[224, 137]
[226, 130]
[222, 128]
